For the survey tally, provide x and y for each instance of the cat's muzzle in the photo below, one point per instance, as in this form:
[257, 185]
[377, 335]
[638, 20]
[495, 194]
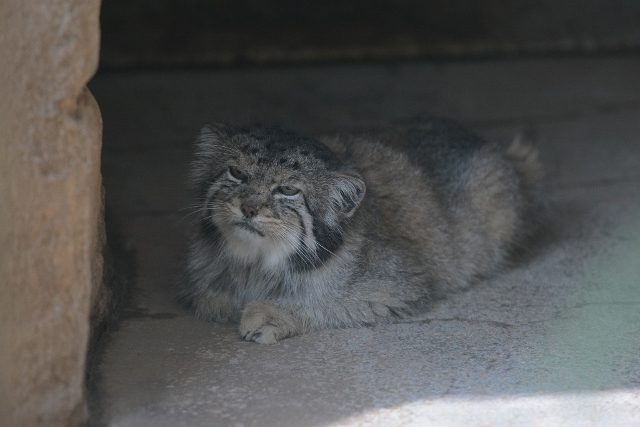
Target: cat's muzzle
[249, 225]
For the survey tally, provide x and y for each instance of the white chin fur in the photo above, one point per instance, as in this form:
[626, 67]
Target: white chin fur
[249, 247]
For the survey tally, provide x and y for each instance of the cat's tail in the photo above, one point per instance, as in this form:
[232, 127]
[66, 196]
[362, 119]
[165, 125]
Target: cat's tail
[524, 159]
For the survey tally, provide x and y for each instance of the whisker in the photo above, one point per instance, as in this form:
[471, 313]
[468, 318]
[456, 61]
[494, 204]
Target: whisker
[284, 241]
[198, 209]
[332, 253]
[304, 255]
[309, 255]
[193, 206]
[193, 213]
[286, 237]
[316, 242]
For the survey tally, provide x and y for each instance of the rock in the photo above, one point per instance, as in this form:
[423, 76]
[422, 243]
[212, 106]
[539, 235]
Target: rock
[51, 233]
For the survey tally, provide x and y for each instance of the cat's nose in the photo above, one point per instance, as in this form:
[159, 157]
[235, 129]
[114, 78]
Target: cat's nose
[249, 211]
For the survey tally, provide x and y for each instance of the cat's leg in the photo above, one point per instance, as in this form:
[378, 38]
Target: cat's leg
[266, 323]
[214, 307]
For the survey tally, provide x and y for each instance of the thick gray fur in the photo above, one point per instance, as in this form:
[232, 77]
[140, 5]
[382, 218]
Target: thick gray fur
[296, 234]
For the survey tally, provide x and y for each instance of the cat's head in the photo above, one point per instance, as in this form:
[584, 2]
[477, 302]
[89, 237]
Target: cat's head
[274, 196]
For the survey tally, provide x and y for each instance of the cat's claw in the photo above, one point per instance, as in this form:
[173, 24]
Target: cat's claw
[265, 335]
[264, 323]
[254, 327]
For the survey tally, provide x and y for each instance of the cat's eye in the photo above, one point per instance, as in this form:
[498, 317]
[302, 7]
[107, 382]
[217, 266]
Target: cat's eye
[237, 174]
[288, 190]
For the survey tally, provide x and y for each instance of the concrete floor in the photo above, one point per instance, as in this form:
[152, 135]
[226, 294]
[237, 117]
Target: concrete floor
[555, 340]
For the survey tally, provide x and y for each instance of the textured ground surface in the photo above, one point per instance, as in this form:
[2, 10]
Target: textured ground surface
[553, 341]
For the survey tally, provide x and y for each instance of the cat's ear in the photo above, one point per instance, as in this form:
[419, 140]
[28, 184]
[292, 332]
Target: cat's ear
[214, 141]
[211, 142]
[347, 192]
[214, 134]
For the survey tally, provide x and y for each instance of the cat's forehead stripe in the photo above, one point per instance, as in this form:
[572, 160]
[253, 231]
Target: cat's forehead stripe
[287, 153]
[266, 145]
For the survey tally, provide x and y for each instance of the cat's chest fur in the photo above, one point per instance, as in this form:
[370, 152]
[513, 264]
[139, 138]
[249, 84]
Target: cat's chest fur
[352, 230]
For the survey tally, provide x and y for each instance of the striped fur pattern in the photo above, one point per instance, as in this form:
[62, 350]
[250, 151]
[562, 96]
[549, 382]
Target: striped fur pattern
[296, 234]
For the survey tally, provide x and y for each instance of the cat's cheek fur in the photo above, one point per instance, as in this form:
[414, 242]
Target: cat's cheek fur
[266, 323]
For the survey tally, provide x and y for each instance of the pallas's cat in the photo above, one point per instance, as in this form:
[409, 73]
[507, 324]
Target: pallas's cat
[295, 234]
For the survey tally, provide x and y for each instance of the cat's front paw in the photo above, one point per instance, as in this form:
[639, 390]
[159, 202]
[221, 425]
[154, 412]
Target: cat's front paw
[264, 323]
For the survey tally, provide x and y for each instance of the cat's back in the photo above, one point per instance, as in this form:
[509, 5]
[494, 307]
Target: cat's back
[440, 148]
[446, 192]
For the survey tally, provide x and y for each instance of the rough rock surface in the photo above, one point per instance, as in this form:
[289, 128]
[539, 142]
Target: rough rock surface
[50, 209]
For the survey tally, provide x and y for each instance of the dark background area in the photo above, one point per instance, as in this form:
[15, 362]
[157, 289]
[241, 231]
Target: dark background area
[179, 33]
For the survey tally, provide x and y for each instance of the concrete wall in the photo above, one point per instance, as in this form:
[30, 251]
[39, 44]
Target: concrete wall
[50, 207]
[152, 33]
